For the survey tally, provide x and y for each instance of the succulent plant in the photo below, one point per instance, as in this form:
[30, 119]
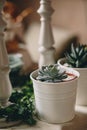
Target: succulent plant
[77, 57]
[51, 73]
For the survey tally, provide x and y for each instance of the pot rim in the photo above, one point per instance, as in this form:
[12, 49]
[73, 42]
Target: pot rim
[64, 59]
[33, 75]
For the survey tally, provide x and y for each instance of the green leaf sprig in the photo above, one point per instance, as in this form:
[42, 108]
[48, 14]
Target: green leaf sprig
[22, 107]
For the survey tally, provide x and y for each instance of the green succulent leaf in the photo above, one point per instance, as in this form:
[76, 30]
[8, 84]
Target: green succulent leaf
[78, 56]
[51, 73]
[73, 50]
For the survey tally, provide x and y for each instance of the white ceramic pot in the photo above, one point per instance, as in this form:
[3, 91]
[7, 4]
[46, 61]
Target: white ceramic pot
[55, 102]
[82, 84]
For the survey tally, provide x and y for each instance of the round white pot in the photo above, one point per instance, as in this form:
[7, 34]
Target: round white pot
[81, 98]
[55, 102]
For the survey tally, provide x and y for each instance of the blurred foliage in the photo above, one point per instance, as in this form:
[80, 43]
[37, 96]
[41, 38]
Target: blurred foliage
[22, 105]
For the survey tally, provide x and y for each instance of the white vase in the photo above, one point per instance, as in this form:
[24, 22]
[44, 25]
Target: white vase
[82, 83]
[55, 102]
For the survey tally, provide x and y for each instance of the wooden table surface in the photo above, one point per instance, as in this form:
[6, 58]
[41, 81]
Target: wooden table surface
[78, 123]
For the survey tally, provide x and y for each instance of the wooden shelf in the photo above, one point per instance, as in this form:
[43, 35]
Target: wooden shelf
[78, 123]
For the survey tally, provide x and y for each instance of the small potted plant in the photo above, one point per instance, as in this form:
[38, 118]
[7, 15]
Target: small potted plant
[55, 93]
[77, 59]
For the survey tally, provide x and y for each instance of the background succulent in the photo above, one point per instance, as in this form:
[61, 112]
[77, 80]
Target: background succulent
[51, 73]
[77, 57]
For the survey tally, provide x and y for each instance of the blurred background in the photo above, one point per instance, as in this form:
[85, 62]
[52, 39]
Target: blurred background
[69, 24]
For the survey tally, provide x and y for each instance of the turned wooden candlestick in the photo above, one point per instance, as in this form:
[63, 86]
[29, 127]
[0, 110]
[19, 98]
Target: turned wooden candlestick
[5, 85]
[46, 39]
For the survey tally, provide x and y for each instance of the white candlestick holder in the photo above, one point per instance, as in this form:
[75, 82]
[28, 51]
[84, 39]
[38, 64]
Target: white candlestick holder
[46, 39]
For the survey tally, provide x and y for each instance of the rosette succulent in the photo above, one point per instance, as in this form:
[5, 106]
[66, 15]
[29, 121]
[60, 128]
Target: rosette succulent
[77, 57]
[51, 73]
